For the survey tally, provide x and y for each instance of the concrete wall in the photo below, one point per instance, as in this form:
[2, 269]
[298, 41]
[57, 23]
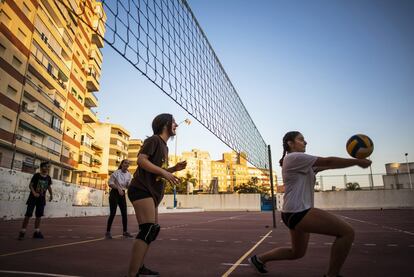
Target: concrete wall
[68, 199]
[363, 199]
[216, 202]
[71, 200]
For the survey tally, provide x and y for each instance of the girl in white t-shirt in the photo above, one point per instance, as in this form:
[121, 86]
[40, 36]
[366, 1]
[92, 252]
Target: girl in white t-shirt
[119, 182]
[299, 214]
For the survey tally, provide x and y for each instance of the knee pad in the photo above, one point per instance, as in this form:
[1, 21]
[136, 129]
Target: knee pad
[148, 232]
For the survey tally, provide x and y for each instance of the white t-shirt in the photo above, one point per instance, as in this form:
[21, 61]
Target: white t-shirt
[123, 178]
[299, 179]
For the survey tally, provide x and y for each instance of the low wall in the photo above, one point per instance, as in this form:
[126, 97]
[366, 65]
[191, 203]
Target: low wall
[70, 200]
[361, 199]
[215, 202]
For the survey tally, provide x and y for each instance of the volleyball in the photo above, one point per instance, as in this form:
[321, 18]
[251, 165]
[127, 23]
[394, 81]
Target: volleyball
[359, 146]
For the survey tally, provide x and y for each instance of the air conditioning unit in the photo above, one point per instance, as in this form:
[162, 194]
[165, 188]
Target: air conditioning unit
[32, 107]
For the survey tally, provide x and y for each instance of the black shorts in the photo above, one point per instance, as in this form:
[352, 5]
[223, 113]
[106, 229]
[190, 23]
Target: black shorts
[292, 219]
[38, 203]
[135, 193]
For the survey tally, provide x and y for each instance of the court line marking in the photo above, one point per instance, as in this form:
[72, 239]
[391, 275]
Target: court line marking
[230, 264]
[231, 269]
[54, 246]
[382, 226]
[98, 239]
[36, 273]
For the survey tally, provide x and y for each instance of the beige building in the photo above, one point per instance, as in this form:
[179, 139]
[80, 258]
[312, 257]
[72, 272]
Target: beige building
[220, 171]
[262, 176]
[49, 68]
[198, 165]
[114, 140]
[134, 145]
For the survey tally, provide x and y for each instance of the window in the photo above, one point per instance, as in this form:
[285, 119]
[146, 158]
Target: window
[56, 123]
[11, 92]
[86, 140]
[26, 9]
[22, 36]
[55, 173]
[45, 115]
[54, 144]
[5, 18]
[16, 62]
[6, 123]
[65, 151]
[2, 49]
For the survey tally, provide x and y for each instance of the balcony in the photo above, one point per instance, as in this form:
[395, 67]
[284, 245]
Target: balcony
[91, 100]
[36, 144]
[89, 116]
[49, 96]
[45, 74]
[98, 32]
[92, 82]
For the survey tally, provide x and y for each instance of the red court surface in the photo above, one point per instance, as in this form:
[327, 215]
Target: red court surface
[206, 244]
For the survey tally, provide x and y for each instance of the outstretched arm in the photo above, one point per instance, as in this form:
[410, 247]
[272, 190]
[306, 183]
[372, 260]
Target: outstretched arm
[336, 163]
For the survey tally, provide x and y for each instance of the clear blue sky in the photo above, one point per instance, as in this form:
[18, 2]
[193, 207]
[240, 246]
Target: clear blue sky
[329, 69]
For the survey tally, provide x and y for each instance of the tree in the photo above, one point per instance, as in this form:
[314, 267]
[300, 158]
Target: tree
[352, 186]
[181, 188]
[251, 187]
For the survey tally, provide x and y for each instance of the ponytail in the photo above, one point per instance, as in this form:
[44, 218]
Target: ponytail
[289, 136]
[283, 156]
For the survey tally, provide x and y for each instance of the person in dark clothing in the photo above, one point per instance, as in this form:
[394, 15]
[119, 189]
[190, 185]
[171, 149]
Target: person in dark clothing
[147, 189]
[39, 184]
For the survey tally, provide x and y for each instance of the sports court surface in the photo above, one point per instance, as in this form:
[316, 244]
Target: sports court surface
[206, 244]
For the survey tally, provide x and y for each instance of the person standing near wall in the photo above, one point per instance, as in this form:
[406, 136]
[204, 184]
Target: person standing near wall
[119, 182]
[39, 184]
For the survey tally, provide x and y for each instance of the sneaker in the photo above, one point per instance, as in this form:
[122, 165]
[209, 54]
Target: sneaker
[21, 235]
[258, 266]
[127, 235]
[38, 235]
[144, 272]
[108, 235]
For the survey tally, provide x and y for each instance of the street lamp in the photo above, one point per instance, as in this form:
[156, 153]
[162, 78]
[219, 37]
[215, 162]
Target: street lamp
[188, 122]
[409, 171]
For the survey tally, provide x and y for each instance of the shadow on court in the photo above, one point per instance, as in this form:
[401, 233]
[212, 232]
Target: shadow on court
[205, 244]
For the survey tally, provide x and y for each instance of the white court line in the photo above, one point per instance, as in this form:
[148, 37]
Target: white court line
[229, 264]
[36, 273]
[370, 244]
[382, 226]
[392, 245]
[54, 246]
[233, 267]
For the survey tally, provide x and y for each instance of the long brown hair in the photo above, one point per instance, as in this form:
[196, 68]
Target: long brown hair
[122, 162]
[289, 136]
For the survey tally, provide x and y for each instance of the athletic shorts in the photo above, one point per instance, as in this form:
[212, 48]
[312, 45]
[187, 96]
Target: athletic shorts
[135, 193]
[38, 203]
[292, 219]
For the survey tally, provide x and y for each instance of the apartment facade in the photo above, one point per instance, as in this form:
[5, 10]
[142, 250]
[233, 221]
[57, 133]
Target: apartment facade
[114, 140]
[134, 145]
[46, 89]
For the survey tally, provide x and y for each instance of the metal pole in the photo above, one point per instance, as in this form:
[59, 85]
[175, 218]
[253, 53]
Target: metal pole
[175, 187]
[409, 171]
[370, 177]
[271, 186]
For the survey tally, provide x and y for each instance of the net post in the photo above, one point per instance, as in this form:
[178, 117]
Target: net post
[274, 207]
